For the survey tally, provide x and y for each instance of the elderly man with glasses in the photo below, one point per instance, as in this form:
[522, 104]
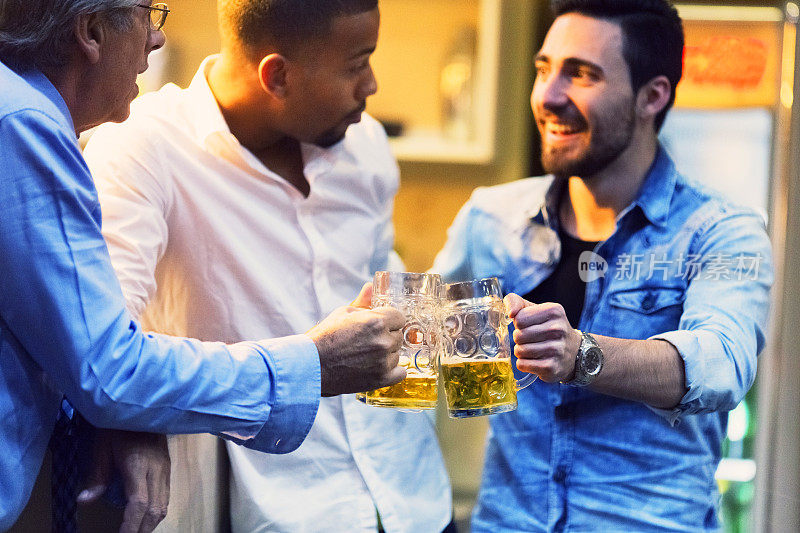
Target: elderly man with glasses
[65, 333]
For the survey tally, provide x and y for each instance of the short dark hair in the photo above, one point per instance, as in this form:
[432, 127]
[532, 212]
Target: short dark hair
[284, 23]
[652, 33]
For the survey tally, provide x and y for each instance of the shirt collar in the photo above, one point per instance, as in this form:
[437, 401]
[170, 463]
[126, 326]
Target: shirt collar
[209, 122]
[42, 84]
[208, 119]
[547, 213]
[655, 194]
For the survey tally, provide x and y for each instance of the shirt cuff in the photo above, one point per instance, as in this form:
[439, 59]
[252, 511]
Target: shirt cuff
[298, 386]
[688, 346]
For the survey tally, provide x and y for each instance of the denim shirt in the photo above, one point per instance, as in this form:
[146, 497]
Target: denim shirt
[684, 266]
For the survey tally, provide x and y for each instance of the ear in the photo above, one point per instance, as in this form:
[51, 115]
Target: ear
[90, 33]
[653, 97]
[272, 73]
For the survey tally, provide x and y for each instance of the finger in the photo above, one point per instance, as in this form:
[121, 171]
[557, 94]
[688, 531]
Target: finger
[393, 359]
[514, 303]
[539, 333]
[393, 319]
[535, 314]
[396, 375]
[395, 340]
[158, 487]
[364, 298]
[134, 479]
[158, 479]
[532, 366]
[553, 350]
[134, 513]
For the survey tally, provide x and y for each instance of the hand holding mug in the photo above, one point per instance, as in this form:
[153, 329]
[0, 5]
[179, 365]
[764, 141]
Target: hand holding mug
[358, 347]
[416, 296]
[545, 342]
[476, 362]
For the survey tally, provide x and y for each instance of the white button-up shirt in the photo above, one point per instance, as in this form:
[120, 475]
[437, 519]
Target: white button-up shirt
[208, 242]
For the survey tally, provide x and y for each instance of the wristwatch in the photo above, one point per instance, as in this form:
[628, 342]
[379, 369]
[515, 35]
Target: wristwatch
[588, 362]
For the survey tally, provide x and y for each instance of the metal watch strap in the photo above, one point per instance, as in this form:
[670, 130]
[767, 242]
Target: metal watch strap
[580, 377]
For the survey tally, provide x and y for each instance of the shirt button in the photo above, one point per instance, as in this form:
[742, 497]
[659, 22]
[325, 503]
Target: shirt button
[649, 301]
[560, 412]
[559, 475]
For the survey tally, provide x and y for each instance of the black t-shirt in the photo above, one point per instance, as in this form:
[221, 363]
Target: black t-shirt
[564, 286]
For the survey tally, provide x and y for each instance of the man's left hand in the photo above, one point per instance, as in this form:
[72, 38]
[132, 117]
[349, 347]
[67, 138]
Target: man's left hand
[546, 343]
[143, 461]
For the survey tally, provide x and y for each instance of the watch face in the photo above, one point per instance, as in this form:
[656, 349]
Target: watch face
[592, 361]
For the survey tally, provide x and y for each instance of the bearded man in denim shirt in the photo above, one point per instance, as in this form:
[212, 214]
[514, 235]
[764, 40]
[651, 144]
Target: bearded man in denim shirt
[666, 281]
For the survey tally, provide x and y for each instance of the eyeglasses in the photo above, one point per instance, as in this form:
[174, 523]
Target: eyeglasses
[158, 15]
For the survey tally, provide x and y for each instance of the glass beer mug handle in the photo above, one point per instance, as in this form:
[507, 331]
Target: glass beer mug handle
[528, 378]
[525, 381]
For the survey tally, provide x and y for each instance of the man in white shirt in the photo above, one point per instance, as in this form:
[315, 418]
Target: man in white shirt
[253, 203]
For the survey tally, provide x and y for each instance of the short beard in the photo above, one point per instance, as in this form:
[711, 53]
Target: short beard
[612, 140]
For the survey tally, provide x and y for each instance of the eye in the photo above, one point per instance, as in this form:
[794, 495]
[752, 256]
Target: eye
[585, 75]
[542, 69]
[360, 67]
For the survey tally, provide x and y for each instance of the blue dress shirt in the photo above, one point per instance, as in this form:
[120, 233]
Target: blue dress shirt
[683, 265]
[64, 330]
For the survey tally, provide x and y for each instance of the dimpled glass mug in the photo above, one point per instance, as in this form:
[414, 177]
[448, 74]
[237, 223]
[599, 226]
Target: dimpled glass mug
[417, 296]
[476, 354]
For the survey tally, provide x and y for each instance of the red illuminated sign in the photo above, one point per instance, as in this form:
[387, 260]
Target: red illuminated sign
[735, 62]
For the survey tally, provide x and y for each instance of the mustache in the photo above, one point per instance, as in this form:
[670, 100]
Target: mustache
[564, 114]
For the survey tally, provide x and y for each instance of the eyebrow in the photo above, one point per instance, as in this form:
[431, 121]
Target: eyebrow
[571, 62]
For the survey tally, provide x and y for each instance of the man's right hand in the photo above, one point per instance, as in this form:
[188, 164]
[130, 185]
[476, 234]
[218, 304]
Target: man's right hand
[358, 347]
[142, 460]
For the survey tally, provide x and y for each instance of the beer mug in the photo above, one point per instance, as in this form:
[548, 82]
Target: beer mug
[476, 354]
[417, 296]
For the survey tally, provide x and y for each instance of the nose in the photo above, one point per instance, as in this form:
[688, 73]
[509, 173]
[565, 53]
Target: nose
[368, 86]
[156, 39]
[550, 92]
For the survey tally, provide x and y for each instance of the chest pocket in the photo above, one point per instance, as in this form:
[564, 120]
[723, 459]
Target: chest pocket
[646, 311]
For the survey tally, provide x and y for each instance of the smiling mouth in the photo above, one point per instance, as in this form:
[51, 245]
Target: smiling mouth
[560, 131]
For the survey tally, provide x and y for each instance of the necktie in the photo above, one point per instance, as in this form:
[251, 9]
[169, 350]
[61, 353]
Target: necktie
[64, 472]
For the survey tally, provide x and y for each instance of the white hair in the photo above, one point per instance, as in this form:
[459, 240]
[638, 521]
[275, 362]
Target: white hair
[40, 33]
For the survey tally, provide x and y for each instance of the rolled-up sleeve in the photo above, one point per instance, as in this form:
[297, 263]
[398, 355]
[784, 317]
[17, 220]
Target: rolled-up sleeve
[723, 326]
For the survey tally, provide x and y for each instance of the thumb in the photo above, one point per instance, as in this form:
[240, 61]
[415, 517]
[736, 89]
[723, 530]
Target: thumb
[364, 298]
[514, 304]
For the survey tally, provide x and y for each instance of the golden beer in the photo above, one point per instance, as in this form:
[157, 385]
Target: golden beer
[414, 392]
[480, 387]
